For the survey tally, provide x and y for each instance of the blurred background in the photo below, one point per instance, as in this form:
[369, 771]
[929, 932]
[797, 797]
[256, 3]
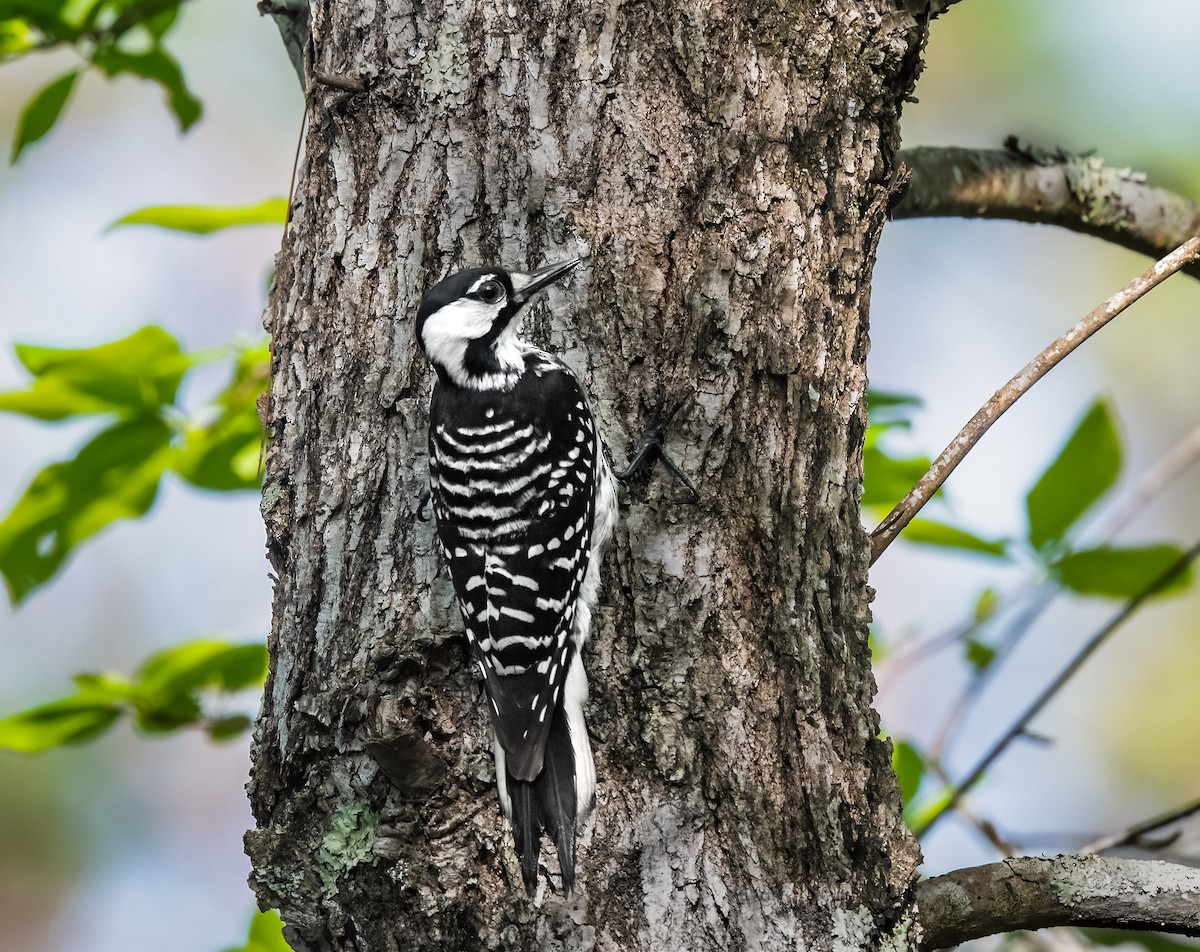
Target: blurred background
[129, 843]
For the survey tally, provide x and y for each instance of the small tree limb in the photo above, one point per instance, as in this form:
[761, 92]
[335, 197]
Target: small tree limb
[1039, 892]
[1080, 193]
[1006, 396]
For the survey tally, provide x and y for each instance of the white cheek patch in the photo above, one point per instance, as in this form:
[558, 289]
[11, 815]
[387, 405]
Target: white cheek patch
[449, 330]
[465, 318]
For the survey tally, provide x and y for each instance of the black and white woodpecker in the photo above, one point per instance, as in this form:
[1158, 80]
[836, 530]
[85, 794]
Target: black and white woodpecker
[524, 501]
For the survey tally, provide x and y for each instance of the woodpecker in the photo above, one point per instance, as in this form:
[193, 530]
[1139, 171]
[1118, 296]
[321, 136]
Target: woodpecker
[525, 501]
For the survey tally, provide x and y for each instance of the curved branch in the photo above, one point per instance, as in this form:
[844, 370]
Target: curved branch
[900, 516]
[1076, 192]
[1038, 892]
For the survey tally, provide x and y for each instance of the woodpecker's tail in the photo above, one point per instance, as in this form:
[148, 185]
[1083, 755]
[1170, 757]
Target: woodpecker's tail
[547, 803]
[560, 797]
[556, 801]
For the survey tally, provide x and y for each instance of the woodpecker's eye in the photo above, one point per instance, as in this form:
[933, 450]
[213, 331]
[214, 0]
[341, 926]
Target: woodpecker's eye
[491, 292]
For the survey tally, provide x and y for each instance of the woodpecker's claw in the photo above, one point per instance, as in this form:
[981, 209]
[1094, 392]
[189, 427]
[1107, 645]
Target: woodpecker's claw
[652, 446]
[423, 505]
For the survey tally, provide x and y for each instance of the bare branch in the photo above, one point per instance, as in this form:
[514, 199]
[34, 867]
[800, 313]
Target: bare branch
[1021, 724]
[1076, 192]
[1006, 396]
[1039, 892]
[1134, 835]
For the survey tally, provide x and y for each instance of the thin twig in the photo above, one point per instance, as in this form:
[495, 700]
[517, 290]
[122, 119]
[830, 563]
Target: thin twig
[1016, 632]
[1133, 835]
[1007, 395]
[1081, 656]
[1181, 457]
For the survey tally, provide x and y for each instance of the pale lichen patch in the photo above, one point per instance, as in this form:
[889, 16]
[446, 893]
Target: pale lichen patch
[348, 842]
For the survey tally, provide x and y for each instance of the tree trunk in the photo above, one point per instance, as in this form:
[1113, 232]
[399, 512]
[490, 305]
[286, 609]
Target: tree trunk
[726, 168]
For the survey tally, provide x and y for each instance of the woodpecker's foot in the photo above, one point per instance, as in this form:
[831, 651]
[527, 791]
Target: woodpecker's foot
[652, 447]
[423, 506]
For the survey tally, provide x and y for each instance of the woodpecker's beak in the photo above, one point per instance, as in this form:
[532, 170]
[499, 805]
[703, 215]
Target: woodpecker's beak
[526, 286]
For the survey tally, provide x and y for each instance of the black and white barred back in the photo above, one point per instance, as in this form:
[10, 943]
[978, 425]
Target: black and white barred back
[524, 501]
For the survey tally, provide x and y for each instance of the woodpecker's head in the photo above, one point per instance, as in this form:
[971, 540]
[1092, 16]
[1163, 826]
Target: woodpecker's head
[467, 323]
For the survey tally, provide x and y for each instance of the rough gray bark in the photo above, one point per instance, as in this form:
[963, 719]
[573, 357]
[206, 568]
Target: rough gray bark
[1036, 892]
[726, 166]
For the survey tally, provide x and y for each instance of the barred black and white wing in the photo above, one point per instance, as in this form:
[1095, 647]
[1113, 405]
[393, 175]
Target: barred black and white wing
[516, 478]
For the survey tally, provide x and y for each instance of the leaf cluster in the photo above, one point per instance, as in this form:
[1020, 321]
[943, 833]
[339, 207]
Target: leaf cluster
[162, 696]
[134, 384]
[113, 37]
[1082, 474]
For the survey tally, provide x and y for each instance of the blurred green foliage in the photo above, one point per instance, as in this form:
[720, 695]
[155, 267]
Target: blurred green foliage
[135, 383]
[205, 219]
[1082, 474]
[114, 37]
[163, 695]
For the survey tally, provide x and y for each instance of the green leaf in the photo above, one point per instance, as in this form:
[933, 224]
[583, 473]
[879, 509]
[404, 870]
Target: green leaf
[917, 815]
[109, 688]
[886, 404]
[16, 38]
[165, 714]
[1121, 572]
[163, 696]
[160, 23]
[1086, 469]
[225, 455]
[195, 665]
[979, 655]
[888, 479]
[266, 934]
[115, 476]
[928, 532]
[45, 17]
[1151, 941]
[205, 219]
[228, 727]
[71, 720]
[133, 375]
[986, 605]
[53, 399]
[909, 765]
[158, 65]
[42, 111]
